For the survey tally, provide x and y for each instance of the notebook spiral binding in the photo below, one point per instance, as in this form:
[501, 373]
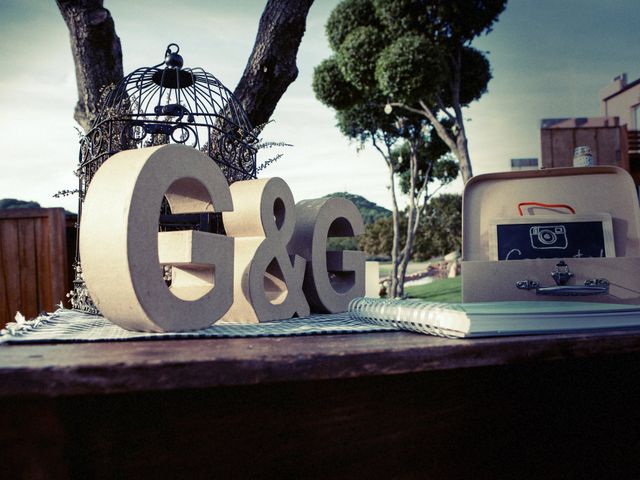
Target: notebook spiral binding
[413, 315]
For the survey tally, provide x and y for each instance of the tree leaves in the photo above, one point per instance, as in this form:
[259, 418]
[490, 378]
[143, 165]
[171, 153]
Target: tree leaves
[407, 51]
[410, 68]
[475, 73]
[439, 233]
[357, 57]
[346, 17]
[330, 86]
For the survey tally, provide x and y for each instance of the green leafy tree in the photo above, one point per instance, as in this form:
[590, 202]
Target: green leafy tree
[369, 210]
[413, 54]
[421, 159]
[431, 69]
[377, 239]
[440, 230]
[357, 81]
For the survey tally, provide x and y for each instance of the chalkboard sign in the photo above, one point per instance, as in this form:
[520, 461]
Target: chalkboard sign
[563, 236]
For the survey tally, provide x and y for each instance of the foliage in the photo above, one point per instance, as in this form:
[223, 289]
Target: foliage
[410, 67]
[412, 54]
[331, 86]
[448, 21]
[415, 54]
[440, 230]
[445, 290]
[361, 44]
[377, 239]
[366, 121]
[11, 203]
[369, 210]
[396, 67]
[475, 73]
[346, 17]
[339, 244]
[261, 145]
[406, 50]
[370, 213]
[434, 162]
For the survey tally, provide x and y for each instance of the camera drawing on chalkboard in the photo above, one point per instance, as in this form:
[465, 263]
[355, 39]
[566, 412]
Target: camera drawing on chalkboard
[532, 237]
[548, 236]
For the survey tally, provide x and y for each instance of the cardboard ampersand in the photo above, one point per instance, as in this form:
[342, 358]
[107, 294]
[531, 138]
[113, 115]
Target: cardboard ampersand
[332, 279]
[122, 251]
[268, 282]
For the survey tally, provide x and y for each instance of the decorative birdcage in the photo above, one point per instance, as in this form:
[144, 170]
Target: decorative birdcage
[160, 105]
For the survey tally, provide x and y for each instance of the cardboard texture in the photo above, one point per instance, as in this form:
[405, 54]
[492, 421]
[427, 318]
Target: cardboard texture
[122, 251]
[332, 279]
[589, 190]
[271, 262]
[372, 280]
[269, 282]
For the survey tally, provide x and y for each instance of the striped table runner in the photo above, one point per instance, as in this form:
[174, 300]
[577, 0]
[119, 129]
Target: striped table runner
[72, 326]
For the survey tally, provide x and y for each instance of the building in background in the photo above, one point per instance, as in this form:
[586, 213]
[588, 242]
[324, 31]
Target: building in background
[605, 136]
[519, 164]
[614, 138]
[621, 99]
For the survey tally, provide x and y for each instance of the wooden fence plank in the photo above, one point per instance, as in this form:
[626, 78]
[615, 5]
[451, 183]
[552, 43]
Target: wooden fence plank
[11, 299]
[27, 267]
[4, 284]
[59, 258]
[44, 256]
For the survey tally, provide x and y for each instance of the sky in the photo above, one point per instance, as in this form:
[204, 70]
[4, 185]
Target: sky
[549, 59]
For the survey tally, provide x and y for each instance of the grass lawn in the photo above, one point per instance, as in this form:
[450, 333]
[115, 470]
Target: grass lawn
[413, 267]
[445, 290]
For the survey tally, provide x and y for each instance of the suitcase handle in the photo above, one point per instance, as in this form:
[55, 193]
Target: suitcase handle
[561, 275]
[594, 286]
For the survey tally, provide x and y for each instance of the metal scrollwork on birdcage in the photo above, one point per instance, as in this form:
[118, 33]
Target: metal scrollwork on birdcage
[167, 104]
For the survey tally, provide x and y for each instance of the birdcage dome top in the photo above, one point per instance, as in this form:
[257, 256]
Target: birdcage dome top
[167, 103]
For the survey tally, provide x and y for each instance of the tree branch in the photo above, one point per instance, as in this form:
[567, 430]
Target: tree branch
[97, 53]
[407, 108]
[271, 68]
[443, 109]
[272, 65]
[440, 129]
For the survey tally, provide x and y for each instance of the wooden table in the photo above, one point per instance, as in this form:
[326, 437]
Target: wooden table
[386, 405]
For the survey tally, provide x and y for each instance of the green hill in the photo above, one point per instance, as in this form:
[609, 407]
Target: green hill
[370, 211]
[11, 203]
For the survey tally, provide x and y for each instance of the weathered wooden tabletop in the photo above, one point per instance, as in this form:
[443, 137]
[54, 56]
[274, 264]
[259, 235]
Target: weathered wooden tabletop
[120, 367]
[383, 405]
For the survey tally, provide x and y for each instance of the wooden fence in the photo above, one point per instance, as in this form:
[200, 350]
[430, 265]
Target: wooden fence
[33, 261]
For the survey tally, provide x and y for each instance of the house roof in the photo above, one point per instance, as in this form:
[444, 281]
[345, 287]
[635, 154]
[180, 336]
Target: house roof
[580, 122]
[623, 89]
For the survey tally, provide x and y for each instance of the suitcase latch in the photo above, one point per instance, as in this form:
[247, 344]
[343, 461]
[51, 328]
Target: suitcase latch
[561, 274]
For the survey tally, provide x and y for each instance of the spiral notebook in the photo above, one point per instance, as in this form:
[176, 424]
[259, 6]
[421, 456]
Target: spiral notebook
[489, 319]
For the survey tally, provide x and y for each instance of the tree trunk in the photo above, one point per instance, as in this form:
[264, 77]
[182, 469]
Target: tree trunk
[270, 70]
[411, 211]
[413, 215]
[462, 148]
[395, 247]
[272, 65]
[458, 144]
[96, 52]
[462, 154]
